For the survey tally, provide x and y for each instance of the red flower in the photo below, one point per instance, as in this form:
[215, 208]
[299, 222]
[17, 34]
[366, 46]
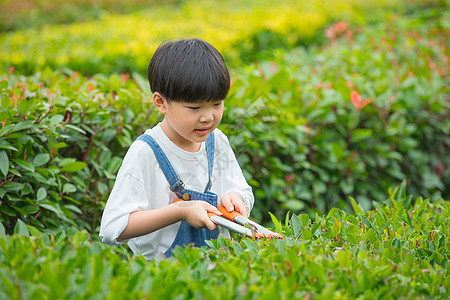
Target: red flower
[125, 76]
[289, 177]
[74, 75]
[356, 101]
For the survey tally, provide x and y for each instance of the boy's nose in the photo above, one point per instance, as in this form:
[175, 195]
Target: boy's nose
[207, 117]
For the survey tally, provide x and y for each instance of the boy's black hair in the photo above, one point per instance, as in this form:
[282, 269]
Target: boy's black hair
[188, 70]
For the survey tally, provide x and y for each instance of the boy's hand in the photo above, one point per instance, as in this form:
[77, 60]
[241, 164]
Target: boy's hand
[233, 201]
[195, 213]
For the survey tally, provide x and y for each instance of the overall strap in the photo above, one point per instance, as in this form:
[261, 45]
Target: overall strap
[210, 144]
[175, 183]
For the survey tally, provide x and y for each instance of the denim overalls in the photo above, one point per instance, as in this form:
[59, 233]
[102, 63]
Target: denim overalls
[186, 234]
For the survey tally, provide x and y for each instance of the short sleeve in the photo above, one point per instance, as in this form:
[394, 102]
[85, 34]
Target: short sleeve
[128, 195]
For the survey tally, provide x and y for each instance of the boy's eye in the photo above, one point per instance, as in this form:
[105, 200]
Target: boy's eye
[193, 107]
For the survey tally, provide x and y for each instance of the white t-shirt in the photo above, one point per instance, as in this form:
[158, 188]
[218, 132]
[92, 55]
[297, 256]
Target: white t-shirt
[141, 185]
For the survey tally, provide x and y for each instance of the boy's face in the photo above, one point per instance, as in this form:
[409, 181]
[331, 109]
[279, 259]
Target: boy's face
[189, 124]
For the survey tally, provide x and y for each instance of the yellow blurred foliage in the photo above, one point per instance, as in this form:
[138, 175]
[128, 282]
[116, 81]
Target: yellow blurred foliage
[131, 39]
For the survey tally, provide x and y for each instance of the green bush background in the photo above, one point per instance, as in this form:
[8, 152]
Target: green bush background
[329, 100]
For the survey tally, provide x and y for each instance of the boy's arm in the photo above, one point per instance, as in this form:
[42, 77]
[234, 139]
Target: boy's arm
[146, 221]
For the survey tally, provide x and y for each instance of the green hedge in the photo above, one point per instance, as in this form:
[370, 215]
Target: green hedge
[301, 141]
[62, 141]
[354, 117]
[400, 250]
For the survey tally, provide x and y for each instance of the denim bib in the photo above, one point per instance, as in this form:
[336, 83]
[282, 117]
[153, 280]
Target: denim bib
[186, 233]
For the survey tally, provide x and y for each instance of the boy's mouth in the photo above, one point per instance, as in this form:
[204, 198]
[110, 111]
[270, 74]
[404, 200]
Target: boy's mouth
[202, 131]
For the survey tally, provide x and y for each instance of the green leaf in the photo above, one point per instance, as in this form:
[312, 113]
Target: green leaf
[305, 219]
[211, 243]
[74, 167]
[21, 228]
[237, 248]
[25, 105]
[361, 134]
[2, 229]
[356, 207]
[251, 246]
[296, 225]
[29, 209]
[69, 188]
[276, 222]
[7, 210]
[8, 147]
[34, 231]
[307, 234]
[352, 238]
[73, 208]
[41, 159]
[21, 126]
[41, 194]
[294, 204]
[24, 164]
[337, 150]
[75, 128]
[56, 119]
[13, 186]
[366, 221]
[4, 163]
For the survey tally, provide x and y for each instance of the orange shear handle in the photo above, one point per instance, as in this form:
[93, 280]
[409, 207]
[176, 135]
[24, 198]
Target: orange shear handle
[230, 215]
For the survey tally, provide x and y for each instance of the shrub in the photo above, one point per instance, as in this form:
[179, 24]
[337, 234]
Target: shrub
[356, 116]
[399, 250]
[62, 141]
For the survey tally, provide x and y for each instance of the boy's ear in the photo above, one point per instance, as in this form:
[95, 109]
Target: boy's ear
[159, 102]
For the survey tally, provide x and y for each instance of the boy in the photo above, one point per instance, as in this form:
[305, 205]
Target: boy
[185, 156]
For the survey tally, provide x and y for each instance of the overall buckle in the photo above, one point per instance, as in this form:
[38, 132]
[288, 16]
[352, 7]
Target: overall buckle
[177, 185]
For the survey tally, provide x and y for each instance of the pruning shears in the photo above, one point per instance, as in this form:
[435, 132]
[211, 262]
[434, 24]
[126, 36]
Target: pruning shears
[236, 222]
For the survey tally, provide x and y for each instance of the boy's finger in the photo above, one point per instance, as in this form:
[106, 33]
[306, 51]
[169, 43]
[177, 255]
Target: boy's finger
[239, 206]
[226, 202]
[212, 209]
[211, 225]
[242, 210]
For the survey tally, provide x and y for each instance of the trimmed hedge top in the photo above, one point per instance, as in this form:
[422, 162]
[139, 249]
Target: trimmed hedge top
[399, 250]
